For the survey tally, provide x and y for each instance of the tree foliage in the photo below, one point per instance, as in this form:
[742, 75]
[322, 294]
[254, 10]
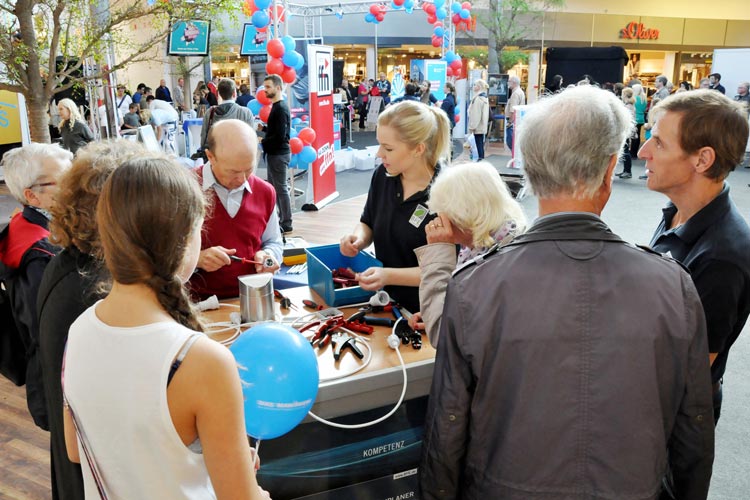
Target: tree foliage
[509, 23]
[35, 33]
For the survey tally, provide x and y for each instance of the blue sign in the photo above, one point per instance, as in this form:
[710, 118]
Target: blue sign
[189, 38]
[254, 41]
[431, 70]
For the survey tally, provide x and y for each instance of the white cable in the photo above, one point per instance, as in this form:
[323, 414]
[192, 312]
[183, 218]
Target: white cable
[387, 415]
[365, 361]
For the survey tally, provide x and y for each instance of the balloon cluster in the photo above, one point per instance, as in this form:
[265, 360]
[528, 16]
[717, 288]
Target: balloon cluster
[435, 11]
[461, 13]
[455, 65]
[283, 59]
[302, 151]
[456, 114]
[377, 13]
[440, 35]
[407, 5]
[261, 106]
[259, 13]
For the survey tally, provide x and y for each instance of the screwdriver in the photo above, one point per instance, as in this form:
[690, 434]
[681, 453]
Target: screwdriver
[312, 305]
[267, 262]
[285, 302]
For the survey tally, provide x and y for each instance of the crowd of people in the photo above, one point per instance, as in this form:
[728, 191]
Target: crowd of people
[570, 363]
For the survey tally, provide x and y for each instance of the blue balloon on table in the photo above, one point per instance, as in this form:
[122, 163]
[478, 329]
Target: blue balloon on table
[308, 154]
[279, 373]
[254, 106]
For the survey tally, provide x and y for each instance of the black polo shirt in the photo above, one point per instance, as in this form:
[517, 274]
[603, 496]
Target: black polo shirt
[397, 229]
[714, 245]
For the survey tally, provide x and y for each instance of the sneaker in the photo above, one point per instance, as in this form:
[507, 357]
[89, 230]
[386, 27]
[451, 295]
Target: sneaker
[625, 175]
[643, 177]
[286, 229]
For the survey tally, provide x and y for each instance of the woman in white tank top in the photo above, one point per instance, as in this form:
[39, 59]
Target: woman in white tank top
[138, 420]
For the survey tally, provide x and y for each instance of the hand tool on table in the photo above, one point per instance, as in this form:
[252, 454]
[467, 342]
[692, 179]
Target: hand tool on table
[267, 262]
[361, 315]
[312, 305]
[343, 341]
[404, 331]
[284, 301]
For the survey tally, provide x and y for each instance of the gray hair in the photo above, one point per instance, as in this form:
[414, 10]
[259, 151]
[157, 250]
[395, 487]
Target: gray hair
[22, 166]
[573, 160]
[745, 84]
[663, 79]
[514, 79]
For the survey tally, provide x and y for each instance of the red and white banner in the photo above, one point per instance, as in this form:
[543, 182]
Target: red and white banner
[320, 77]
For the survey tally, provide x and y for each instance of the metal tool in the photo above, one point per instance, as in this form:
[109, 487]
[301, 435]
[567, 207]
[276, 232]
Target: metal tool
[267, 262]
[343, 341]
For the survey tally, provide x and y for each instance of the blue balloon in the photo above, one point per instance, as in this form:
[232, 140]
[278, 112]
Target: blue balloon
[308, 154]
[293, 133]
[289, 43]
[300, 61]
[449, 55]
[302, 165]
[457, 110]
[395, 7]
[441, 13]
[464, 14]
[456, 7]
[296, 120]
[260, 19]
[438, 3]
[279, 373]
[289, 59]
[439, 31]
[409, 6]
[293, 161]
[370, 18]
[263, 4]
[446, 42]
[254, 106]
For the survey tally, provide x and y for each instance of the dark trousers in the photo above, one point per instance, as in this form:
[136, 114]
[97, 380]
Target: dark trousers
[509, 137]
[718, 396]
[635, 142]
[278, 169]
[479, 139]
[362, 114]
[627, 161]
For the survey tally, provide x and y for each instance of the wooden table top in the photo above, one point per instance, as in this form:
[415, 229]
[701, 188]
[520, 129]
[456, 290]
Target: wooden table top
[383, 357]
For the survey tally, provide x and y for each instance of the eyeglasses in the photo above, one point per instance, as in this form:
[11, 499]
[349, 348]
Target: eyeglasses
[43, 184]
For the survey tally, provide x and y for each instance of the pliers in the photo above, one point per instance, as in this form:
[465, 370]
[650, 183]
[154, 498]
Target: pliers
[323, 333]
[342, 341]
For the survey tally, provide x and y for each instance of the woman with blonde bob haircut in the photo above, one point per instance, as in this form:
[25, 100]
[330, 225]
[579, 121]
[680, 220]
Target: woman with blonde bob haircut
[414, 142]
[475, 210]
[74, 131]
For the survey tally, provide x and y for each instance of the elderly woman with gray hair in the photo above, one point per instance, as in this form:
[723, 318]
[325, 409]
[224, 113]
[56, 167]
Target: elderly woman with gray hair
[475, 210]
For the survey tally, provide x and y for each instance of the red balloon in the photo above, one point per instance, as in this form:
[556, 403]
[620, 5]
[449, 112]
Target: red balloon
[457, 73]
[380, 17]
[289, 75]
[438, 24]
[264, 28]
[456, 64]
[275, 48]
[307, 135]
[280, 13]
[264, 112]
[262, 97]
[399, 2]
[429, 8]
[449, 71]
[436, 41]
[456, 118]
[296, 145]
[275, 67]
[431, 18]
[374, 9]
[466, 5]
[304, 118]
[456, 18]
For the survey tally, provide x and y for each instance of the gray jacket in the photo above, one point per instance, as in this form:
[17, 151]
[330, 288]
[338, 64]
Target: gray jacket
[571, 365]
[436, 262]
[225, 111]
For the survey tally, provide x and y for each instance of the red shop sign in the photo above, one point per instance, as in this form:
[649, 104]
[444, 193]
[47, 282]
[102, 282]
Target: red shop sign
[636, 31]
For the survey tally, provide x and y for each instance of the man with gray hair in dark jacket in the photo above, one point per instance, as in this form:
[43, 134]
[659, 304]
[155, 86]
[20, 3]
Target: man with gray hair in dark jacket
[571, 364]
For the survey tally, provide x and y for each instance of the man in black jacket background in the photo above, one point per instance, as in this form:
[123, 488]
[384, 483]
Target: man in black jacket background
[276, 149]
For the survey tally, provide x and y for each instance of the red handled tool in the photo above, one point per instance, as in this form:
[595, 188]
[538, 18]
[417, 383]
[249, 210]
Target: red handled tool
[284, 301]
[267, 262]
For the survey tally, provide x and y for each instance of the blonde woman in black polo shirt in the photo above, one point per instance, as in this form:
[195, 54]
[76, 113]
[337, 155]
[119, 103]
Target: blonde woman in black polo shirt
[414, 141]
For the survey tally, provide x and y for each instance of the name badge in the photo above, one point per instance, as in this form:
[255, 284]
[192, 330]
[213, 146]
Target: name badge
[418, 216]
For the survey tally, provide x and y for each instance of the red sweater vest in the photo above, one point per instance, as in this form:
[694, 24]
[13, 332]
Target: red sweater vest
[243, 233]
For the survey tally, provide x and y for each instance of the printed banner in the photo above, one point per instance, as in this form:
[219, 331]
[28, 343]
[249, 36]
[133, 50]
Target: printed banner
[189, 38]
[431, 70]
[10, 118]
[320, 78]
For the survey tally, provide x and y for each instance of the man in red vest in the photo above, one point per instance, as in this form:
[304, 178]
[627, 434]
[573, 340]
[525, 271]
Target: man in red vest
[242, 221]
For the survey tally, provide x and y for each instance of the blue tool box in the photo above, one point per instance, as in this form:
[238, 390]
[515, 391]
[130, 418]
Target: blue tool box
[322, 260]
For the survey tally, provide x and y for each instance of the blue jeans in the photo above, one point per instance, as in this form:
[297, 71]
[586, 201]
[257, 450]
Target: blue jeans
[479, 139]
[509, 137]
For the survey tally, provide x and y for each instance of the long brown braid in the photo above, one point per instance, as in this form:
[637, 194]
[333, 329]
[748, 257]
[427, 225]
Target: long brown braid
[146, 214]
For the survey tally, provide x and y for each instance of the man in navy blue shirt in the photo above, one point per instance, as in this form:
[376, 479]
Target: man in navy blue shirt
[698, 138]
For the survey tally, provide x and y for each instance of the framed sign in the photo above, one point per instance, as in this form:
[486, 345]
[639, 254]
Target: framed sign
[254, 41]
[189, 38]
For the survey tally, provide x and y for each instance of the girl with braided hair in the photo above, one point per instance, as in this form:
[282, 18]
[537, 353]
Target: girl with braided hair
[141, 427]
